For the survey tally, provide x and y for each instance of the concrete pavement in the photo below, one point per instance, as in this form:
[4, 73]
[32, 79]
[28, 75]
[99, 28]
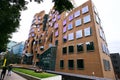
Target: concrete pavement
[13, 76]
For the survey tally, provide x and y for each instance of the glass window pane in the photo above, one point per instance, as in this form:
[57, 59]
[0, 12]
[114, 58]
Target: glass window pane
[106, 65]
[85, 9]
[64, 29]
[86, 19]
[80, 63]
[56, 33]
[80, 47]
[56, 25]
[78, 22]
[79, 34]
[61, 63]
[58, 17]
[95, 10]
[87, 31]
[70, 36]
[100, 32]
[71, 49]
[70, 17]
[70, 64]
[64, 22]
[33, 34]
[64, 50]
[77, 13]
[89, 46]
[65, 38]
[70, 26]
[97, 19]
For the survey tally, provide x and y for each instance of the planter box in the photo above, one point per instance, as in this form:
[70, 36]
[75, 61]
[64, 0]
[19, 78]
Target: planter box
[29, 77]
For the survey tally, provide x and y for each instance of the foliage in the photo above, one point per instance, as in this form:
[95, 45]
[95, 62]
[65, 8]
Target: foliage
[62, 5]
[9, 19]
[13, 58]
[32, 73]
[10, 12]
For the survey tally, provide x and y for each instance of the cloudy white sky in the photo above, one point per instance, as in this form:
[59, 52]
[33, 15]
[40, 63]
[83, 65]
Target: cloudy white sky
[108, 10]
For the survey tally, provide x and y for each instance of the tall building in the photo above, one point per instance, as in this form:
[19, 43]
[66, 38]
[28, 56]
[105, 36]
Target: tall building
[10, 44]
[115, 57]
[72, 42]
[18, 48]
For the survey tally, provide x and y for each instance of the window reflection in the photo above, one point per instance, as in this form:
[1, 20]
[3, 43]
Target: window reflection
[79, 34]
[87, 31]
[86, 19]
[89, 46]
[85, 9]
[78, 22]
[70, 36]
[77, 13]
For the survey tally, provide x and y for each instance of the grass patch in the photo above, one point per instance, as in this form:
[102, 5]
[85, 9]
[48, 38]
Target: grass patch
[32, 73]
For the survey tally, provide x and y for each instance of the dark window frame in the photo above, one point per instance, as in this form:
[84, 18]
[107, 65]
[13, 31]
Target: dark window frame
[90, 46]
[61, 64]
[80, 64]
[81, 47]
[71, 49]
[71, 64]
[64, 52]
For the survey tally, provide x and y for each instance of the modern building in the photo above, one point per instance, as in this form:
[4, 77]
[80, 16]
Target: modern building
[115, 57]
[18, 48]
[71, 42]
[10, 44]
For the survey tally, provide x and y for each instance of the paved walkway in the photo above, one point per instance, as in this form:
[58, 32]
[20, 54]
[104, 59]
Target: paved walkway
[13, 76]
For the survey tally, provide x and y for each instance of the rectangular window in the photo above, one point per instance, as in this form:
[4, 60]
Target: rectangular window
[106, 65]
[100, 33]
[65, 38]
[32, 30]
[58, 17]
[87, 31]
[105, 49]
[71, 17]
[79, 34]
[64, 50]
[85, 9]
[71, 49]
[97, 19]
[33, 34]
[64, 22]
[95, 10]
[54, 19]
[56, 33]
[86, 19]
[70, 36]
[104, 36]
[80, 47]
[78, 22]
[64, 29]
[89, 46]
[41, 48]
[56, 42]
[56, 25]
[80, 63]
[34, 20]
[61, 63]
[71, 64]
[76, 14]
[70, 26]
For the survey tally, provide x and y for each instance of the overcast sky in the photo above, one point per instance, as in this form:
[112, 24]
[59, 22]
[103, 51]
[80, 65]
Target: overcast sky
[108, 10]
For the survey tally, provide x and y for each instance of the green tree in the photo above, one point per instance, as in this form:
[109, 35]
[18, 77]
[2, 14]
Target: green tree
[12, 58]
[10, 12]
